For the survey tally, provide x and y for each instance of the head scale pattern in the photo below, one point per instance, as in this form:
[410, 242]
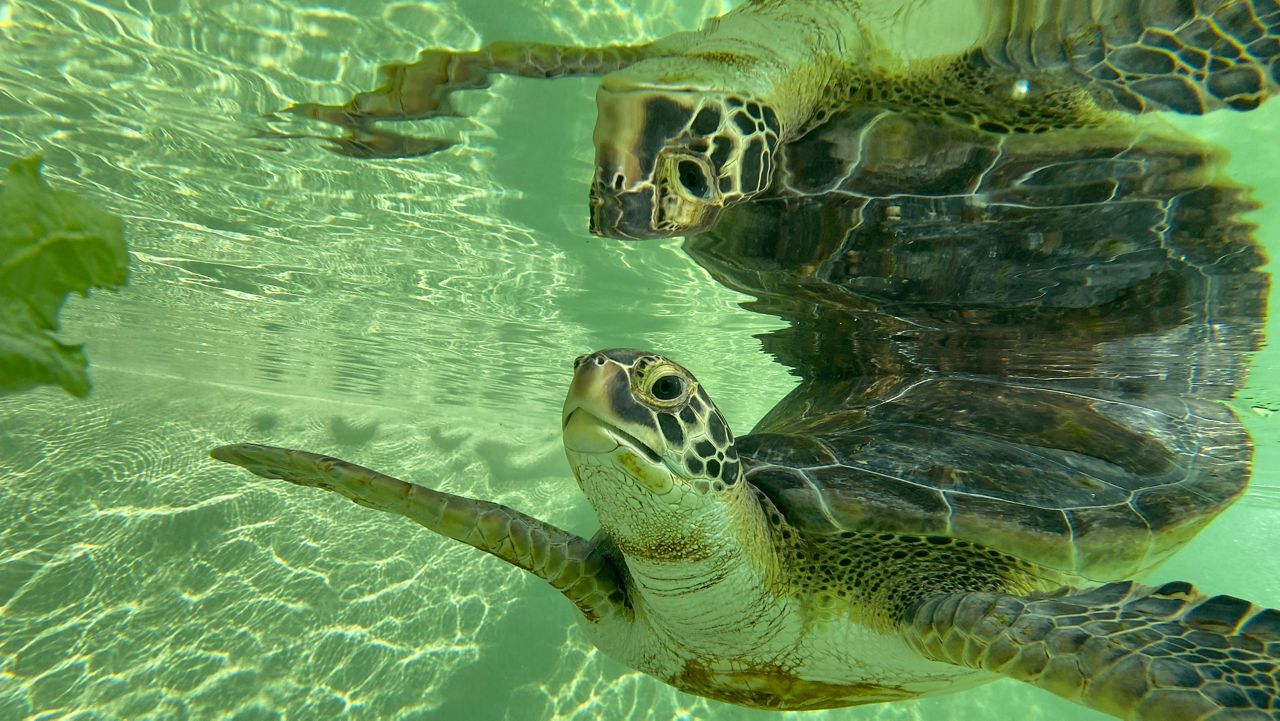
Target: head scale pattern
[669, 160]
[691, 436]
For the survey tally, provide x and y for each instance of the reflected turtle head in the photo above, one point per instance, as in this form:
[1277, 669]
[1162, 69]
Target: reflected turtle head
[669, 158]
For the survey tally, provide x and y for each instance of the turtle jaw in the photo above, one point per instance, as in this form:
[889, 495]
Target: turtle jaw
[586, 433]
[646, 214]
[623, 215]
[590, 442]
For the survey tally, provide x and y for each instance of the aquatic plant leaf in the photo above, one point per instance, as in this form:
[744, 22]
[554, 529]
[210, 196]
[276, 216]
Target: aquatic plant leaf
[31, 355]
[51, 243]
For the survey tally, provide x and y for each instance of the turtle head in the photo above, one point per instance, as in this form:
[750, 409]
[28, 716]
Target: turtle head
[649, 448]
[670, 158]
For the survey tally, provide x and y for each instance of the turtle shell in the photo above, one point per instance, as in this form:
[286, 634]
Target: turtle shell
[1021, 341]
[1094, 487]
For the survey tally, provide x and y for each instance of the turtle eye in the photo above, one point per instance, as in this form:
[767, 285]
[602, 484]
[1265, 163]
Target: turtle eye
[693, 179]
[668, 387]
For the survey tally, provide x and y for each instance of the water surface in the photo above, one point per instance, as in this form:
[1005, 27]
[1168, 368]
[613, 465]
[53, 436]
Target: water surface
[419, 317]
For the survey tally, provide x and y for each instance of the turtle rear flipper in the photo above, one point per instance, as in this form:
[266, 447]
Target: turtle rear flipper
[573, 565]
[1149, 654]
[422, 89]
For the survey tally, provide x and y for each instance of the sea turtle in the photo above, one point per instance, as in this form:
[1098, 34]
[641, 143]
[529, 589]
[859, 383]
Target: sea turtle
[696, 122]
[715, 576]
[1011, 359]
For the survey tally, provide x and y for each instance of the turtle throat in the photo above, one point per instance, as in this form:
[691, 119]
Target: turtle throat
[720, 582]
[700, 562]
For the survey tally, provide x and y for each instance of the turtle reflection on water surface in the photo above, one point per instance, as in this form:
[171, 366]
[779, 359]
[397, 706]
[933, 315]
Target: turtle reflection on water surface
[694, 123]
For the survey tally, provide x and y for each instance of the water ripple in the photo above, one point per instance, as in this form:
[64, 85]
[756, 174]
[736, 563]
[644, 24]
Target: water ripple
[418, 317]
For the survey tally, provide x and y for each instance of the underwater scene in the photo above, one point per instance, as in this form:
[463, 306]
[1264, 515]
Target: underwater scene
[1050, 343]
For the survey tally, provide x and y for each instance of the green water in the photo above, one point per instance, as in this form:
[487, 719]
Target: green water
[419, 317]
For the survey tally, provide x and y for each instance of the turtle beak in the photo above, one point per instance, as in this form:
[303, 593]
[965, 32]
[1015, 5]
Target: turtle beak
[623, 215]
[584, 433]
[582, 422]
[599, 412]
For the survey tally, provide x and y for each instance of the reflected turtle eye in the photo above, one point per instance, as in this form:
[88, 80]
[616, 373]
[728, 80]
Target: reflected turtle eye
[693, 179]
[668, 387]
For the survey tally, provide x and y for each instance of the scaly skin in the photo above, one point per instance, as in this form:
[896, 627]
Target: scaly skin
[783, 54]
[730, 601]
[572, 565]
[1135, 652]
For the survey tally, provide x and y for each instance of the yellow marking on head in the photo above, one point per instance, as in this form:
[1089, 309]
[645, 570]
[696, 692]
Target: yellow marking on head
[656, 480]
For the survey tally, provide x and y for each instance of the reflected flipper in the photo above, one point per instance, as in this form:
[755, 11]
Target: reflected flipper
[1135, 652]
[1146, 55]
[573, 565]
[422, 89]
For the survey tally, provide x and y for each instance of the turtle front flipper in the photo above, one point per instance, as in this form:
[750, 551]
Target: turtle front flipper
[573, 565]
[1132, 651]
[421, 89]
